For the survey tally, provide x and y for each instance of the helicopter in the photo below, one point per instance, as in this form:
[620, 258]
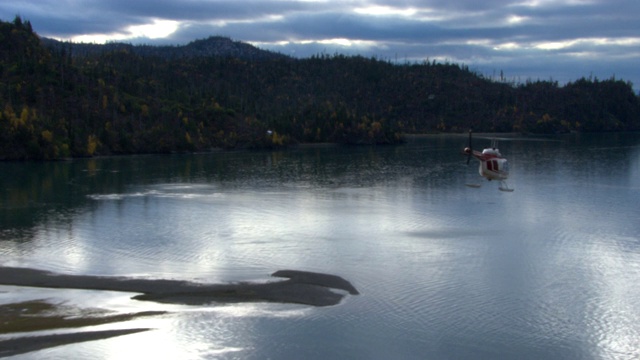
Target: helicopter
[492, 165]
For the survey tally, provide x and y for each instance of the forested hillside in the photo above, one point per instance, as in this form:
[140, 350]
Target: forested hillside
[57, 102]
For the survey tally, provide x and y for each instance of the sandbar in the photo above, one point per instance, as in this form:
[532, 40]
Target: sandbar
[26, 344]
[300, 287]
[40, 315]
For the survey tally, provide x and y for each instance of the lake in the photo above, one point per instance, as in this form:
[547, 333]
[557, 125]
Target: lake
[444, 270]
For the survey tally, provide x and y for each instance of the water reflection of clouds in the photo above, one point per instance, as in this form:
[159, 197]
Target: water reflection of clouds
[161, 342]
[188, 239]
[615, 307]
[202, 332]
[179, 191]
[585, 243]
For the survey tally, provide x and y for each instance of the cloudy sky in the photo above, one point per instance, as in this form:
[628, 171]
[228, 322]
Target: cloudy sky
[561, 40]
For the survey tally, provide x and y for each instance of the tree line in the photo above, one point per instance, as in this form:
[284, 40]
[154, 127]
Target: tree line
[55, 103]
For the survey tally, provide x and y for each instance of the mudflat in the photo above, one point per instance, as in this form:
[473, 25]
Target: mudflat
[39, 315]
[301, 287]
[23, 345]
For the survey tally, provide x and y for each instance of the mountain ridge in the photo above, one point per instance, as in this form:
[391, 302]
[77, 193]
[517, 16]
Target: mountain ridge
[213, 46]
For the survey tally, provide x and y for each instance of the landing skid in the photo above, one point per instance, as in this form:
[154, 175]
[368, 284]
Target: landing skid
[505, 187]
[473, 185]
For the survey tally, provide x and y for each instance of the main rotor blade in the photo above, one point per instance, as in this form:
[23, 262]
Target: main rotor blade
[470, 149]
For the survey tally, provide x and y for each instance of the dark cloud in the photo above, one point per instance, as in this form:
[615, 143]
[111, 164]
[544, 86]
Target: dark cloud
[200, 10]
[560, 39]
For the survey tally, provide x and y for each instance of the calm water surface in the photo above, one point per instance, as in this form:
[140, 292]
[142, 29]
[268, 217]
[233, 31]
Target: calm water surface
[445, 271]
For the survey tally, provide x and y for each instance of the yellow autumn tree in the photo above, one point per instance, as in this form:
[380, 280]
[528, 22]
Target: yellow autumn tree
[92, 144]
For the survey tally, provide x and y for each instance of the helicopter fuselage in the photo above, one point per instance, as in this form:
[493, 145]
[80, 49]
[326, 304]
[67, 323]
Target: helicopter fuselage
[492, 165]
